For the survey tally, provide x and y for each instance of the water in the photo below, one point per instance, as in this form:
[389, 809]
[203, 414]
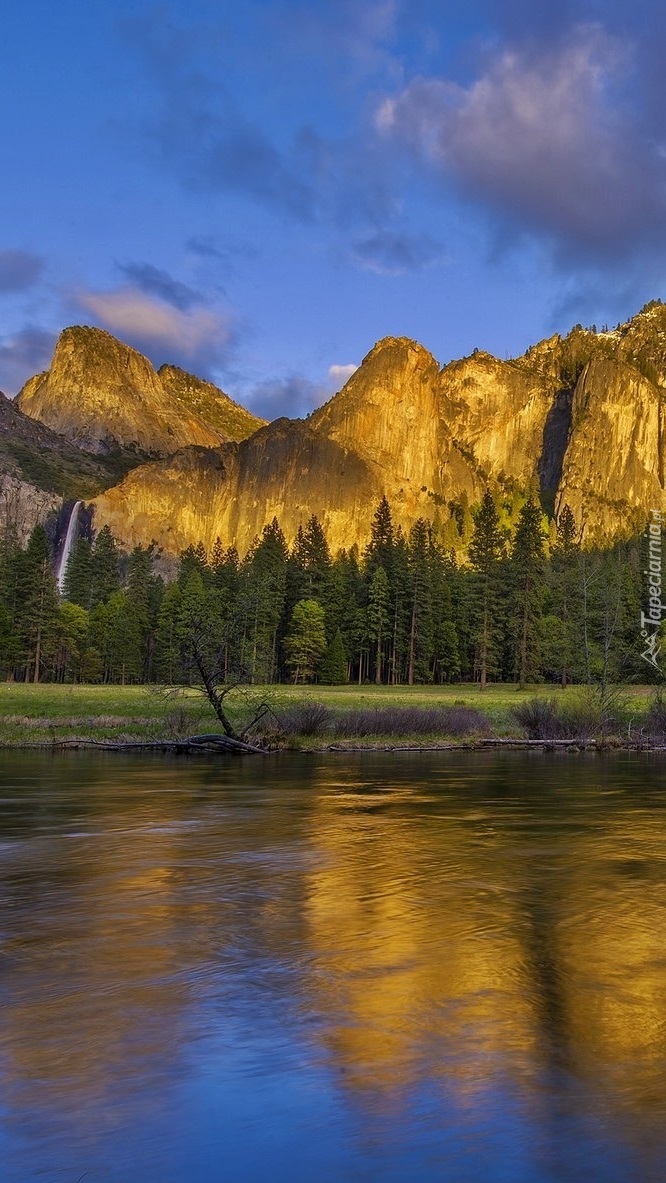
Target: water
[395, 968]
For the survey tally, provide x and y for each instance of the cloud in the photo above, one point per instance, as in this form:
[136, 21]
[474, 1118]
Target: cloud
[198, 129]
[199, 338]
[340, 374]
[229, 255]
[159, 283]
[19, 270]
[201, 132]
[543, 140]
[28, 352]
[390, 252]
[294, 396]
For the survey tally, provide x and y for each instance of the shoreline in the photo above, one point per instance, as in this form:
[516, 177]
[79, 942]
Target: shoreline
[187, 748]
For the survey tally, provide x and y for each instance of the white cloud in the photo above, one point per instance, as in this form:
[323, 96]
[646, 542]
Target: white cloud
[543, 138]
[340, 374]
[196, 336]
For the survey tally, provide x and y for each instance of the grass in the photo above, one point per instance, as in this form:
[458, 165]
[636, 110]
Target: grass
[44, 713]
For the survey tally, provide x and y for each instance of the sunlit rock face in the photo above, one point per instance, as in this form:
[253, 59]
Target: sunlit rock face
[580, 417]
[103, 396]
[285, 471]
[613, 467]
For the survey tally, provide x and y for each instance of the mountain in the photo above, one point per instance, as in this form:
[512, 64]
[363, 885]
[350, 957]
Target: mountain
[580, 417]
[105, 397]
[34, 455]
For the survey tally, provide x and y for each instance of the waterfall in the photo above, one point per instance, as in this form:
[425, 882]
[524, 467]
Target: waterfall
[70, 539]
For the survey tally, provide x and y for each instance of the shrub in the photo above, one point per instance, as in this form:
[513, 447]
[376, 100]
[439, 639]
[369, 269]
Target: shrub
[597, 713]
[655, 718]
[540, 718]
[306, 718]
[409, 720]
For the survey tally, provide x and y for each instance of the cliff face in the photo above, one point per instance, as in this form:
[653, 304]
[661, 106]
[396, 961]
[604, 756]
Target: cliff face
[578, 417]
[285, 470]
[104, 396]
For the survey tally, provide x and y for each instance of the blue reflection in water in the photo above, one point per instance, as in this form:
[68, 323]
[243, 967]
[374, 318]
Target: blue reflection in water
[436, 968]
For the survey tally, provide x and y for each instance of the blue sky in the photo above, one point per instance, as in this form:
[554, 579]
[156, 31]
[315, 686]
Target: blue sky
[259, 192]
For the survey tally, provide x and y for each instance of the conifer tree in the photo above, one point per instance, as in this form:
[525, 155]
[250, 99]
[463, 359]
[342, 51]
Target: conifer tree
[39, 604]
[486, 551]
[104, 568]
[305, 642]
[264, 578]
[78, 574]
[378, 617]
[527, 589]
[333, 670]
[420, 595]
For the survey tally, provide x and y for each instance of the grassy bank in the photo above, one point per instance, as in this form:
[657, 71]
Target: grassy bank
[50, 713]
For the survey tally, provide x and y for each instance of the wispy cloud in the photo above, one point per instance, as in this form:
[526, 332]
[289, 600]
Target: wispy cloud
[27, 352]
[197, 338]
[340, 374]
[294, 396]
[157, 282]
[391, 252]
[19, 270]
[542, 141]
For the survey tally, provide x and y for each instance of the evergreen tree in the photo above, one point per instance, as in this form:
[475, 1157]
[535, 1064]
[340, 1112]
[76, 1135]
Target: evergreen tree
[333, 670]
[305, 642]
[562, 633]
[379, 551]
[421, 624]
[378, 617]
[71, 642]
[39, 605]
[486, 551]
[264, 580]
[78, 574]
[104, 567]
[527, 587]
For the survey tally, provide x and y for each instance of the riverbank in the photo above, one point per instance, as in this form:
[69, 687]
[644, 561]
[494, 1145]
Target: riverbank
[330, 718]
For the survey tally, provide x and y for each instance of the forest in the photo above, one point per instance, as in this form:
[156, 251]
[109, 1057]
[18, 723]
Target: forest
[528, 604]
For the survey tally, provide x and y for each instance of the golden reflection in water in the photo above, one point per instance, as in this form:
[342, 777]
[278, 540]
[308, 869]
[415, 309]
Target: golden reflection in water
[412, 937]
[440, 941]
[419, 959]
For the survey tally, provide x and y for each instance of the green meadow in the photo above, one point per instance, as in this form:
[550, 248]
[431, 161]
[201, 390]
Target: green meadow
[50, 714]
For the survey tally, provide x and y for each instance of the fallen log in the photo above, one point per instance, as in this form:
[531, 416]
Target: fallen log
[221, 744]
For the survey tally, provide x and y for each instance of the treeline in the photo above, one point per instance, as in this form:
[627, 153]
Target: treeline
[526, 606]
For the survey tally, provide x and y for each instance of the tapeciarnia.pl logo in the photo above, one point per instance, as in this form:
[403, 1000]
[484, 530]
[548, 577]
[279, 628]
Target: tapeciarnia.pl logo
[651, 620]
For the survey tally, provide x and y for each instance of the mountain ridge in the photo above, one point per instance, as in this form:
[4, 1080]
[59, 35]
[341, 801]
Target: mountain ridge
[579, 419]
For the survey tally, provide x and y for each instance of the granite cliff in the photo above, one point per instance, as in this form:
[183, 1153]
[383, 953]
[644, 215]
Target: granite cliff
[104, 397]
[578, 417]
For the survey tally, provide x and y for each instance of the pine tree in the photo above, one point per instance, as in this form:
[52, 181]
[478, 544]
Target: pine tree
[486, 551]
[264, 583]
[564, 625]
[378, 617]
[333, 670]
[305, 642]
[78, 574]
[527, 586]
[379, 551]
[420, 595]
[39, 604]
[104, 568]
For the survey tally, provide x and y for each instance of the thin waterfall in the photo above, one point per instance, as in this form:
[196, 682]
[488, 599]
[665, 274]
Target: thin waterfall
[70, 539]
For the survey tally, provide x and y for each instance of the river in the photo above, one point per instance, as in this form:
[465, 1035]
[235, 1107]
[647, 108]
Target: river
[322, 969]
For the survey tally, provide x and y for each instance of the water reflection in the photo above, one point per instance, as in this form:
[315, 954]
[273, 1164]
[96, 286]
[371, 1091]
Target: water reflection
[351, 968]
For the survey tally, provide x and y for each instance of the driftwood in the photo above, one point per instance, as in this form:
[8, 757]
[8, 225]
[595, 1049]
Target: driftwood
[216, 743]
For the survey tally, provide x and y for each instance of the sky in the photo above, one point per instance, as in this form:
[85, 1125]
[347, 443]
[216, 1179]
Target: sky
[258, 192]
